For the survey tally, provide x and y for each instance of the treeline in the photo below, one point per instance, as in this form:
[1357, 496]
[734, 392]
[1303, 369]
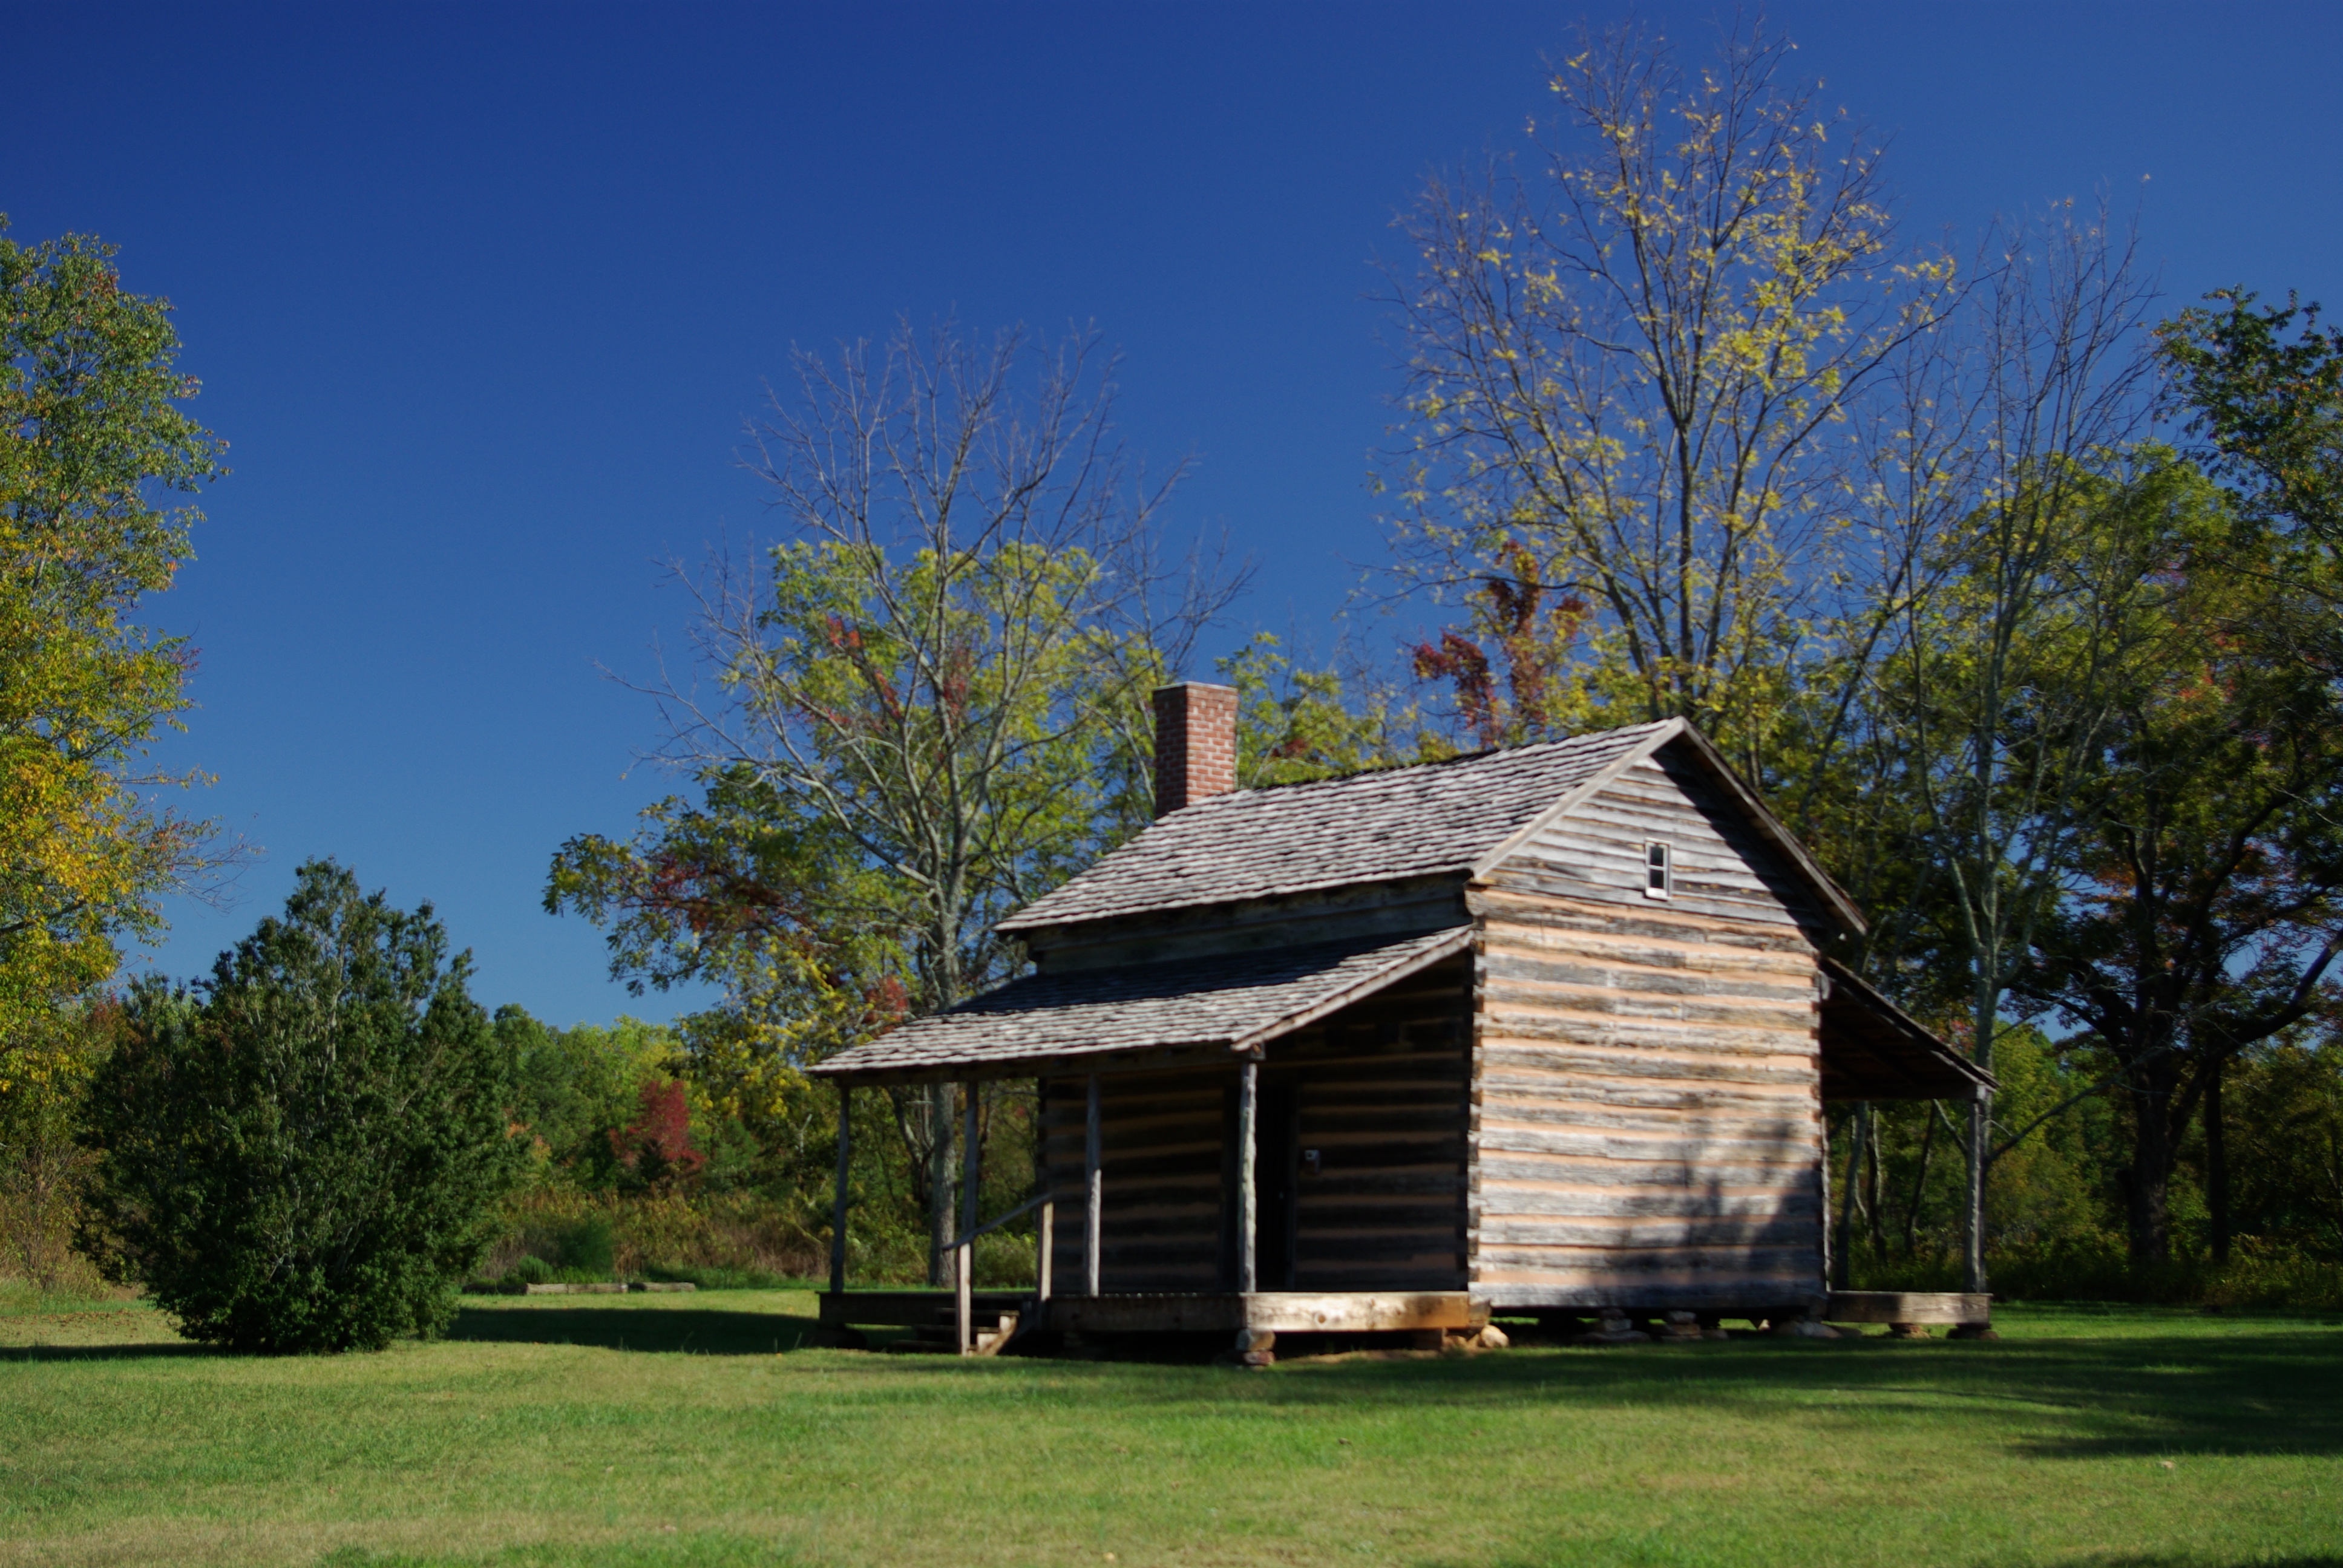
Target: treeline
[2012, 588]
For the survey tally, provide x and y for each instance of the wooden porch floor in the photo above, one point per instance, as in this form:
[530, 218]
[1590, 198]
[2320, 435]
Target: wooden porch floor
[1276, 1312]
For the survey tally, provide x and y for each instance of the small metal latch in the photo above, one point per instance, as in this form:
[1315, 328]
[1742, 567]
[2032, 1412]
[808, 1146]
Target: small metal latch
[1309, 1164]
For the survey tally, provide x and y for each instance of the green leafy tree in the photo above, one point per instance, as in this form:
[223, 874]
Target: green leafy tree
[1296, 724]
[43, 1168]
[2262, 388]
[573, 1087]
[91, 434]
[2286, 1100]
[2205, 909]
[306, 1152]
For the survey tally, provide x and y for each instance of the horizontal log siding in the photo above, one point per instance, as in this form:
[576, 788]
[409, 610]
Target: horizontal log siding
[1646, 1122]
[1381, 1089]
[1161, 1137]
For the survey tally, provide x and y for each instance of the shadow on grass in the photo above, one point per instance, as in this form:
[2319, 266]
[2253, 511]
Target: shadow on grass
[156, 1351]
[695, 1331]
[2142, 1396]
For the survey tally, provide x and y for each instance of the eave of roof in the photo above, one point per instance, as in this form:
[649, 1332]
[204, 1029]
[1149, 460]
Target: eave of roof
[1226, 1005]
[1873, 1049]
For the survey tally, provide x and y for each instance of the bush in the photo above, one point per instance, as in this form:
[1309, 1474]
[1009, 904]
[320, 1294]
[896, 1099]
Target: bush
[587, 1248]
[306, 1152]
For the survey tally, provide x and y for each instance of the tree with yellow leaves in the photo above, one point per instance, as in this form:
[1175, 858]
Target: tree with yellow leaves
[1633, 365]
[93, 442]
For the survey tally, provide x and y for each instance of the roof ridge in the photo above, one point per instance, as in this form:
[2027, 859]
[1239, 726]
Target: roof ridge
[1387, 769]
[1427, 818]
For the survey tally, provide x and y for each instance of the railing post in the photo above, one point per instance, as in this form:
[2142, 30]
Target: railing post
[1248, 1115]
[1090, 1192]
[961, 1283]
[1046, 1246]
[838, 1205]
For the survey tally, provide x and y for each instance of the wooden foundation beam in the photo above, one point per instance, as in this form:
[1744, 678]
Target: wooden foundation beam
[1960, 1308]
[1273, 1311]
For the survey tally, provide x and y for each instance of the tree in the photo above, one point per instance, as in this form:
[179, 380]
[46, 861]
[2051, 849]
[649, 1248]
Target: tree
[304, 1153]
[2205, 914]
[924, 703]
[91, 434]
[1295, 724]
[1695, 438]
[42, 1167]
[2288, 1100]
[1625, 371]
[574, 1086]
[2267, 410]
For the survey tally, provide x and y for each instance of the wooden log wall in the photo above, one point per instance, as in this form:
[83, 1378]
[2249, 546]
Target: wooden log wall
[1162, 1143]
[1378, 1089]
[1646, 1113]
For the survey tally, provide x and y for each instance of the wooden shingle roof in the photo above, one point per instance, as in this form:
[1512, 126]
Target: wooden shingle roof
[1384, 826]
[1232, 1002]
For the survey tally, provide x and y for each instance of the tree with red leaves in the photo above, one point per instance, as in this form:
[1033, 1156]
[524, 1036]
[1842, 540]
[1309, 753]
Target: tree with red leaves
[1531, 627]
[655, 1150]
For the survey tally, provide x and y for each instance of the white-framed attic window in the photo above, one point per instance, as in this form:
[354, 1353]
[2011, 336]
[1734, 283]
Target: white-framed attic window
[1659, 869]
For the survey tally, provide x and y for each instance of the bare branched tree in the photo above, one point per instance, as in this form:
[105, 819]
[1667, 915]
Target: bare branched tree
[1998, 646]
[945, 660]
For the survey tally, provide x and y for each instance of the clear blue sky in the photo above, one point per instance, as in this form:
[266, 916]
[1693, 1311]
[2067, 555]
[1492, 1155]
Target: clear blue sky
[481, 294]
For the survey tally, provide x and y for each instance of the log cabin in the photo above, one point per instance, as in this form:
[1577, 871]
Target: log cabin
[1545, 1031]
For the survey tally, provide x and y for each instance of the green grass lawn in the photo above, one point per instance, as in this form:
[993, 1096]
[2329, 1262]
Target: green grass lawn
[689, 1429]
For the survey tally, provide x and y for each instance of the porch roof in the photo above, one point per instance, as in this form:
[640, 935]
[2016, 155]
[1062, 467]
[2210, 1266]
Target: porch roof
[1231, 1002]
[1873, 1049]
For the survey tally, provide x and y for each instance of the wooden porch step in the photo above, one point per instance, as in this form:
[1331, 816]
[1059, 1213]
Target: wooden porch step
[940, 1335]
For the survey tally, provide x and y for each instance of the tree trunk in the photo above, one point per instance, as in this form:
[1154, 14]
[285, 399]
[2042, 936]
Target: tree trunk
[1919, 1187]
[1848, 1204]
[2148, 1184]
[1973, 1206]
[1875, 1200]
[940, 1181]
[1986, 1017]
[2217, 1164]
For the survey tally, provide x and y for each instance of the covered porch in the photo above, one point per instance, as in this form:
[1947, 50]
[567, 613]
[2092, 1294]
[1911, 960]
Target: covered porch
[1162, 1087]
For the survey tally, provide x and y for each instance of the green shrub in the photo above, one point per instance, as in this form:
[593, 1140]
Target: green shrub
[587, 1248]
[306, 1152]
[530, 1270]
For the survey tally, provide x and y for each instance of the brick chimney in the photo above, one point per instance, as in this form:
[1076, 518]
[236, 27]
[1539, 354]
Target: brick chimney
[1195, 743]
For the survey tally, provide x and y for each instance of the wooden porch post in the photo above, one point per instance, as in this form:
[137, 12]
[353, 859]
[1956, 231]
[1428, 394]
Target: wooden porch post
[968, 1159]
[1248, 1117]
[1090, 1192]
[838, 1205]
